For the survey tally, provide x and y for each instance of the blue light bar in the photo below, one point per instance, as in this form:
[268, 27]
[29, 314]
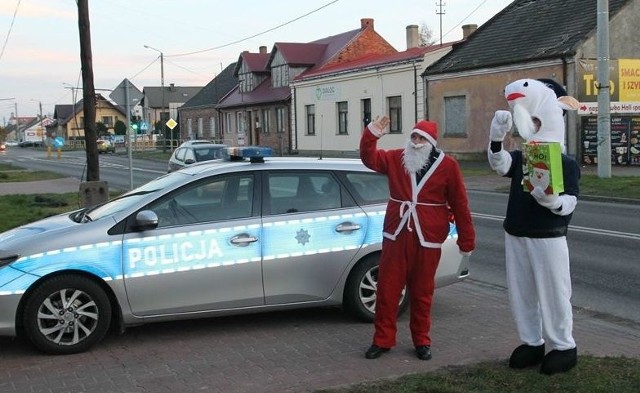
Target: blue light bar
[253, 153]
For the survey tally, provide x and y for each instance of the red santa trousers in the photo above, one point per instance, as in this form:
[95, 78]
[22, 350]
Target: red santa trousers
[405, 262]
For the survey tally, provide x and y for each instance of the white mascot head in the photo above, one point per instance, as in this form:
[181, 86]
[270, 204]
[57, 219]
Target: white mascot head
[538, 109]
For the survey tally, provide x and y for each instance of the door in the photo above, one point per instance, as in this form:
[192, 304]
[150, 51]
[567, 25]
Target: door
[309, 238]
[205, 253]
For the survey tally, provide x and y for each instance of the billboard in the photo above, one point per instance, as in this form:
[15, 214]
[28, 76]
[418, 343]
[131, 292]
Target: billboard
[624, 86]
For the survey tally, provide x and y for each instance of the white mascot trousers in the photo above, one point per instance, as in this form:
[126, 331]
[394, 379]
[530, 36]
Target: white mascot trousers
[540, 290]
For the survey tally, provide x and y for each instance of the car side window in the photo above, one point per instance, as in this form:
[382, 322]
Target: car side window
[298, 192]
[368, 188]
[222, 198]
[180, 154]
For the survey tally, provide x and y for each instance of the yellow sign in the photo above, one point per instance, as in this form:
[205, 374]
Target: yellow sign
[171, 124]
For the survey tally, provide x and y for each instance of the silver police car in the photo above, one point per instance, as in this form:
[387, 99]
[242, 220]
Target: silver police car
[247, 235]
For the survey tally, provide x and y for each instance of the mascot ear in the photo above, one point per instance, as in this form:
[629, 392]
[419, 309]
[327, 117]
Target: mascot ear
[568, 103]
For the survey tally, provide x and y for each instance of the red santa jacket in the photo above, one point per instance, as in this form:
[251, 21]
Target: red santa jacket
[423, 207]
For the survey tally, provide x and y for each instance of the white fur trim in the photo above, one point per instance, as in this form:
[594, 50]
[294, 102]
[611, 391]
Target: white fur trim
[426, 135]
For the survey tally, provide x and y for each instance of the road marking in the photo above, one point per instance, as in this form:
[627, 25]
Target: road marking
[594, 231]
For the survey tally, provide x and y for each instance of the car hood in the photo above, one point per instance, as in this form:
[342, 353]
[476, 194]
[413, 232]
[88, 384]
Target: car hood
[25, 237]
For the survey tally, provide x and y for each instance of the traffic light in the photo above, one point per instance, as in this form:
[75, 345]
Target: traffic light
[134, 127]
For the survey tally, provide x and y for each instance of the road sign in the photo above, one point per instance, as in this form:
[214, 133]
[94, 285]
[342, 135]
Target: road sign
[171, 124]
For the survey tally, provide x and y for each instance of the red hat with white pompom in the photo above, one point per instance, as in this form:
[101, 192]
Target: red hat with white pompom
[427, 129]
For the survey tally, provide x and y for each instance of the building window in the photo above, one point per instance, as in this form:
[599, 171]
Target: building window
[239, 123]
[280, 120]
[366, 111]
[227, 122]
[212, 128]
[455, 116]
[311, 119]
[395, 114]
[107, 121]
[266, 123]
[343, 112]
[200, 133]
[189, 127]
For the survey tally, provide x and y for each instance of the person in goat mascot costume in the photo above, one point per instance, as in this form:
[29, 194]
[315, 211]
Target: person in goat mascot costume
[536, 252]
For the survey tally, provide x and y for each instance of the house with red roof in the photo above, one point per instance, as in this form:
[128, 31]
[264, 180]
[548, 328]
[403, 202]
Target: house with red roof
[334, 102]
[260, 110]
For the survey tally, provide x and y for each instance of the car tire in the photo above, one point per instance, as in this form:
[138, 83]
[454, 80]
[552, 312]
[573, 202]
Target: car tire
[66, 314]
[360, 290]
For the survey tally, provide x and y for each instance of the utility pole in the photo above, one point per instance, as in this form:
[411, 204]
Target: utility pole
[88, 92]
[440, 12]
[162, 122]
[604, 115]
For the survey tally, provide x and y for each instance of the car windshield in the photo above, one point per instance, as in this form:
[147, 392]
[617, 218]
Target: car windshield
[133, 197]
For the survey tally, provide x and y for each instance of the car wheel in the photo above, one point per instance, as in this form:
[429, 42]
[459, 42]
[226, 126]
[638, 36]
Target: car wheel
[66, 314]
[360, 290]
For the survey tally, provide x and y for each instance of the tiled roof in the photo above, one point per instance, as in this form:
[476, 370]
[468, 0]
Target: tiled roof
[373, 61]
[256, 62]
[213, 92]
[262, 94]
[299, 54]
[526, 30]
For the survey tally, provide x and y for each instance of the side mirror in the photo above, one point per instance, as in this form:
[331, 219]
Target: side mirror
[146, 219]
[189, 161]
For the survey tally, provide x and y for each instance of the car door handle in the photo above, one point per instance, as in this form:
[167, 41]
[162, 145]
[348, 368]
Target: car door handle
[243, 240]
[347, 227]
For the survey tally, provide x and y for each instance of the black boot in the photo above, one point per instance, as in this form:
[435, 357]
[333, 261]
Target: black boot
[526, 356]
[423, 352]
[559, 361]
[375, 352]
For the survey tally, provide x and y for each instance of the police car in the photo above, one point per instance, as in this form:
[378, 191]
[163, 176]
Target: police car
[249, 234]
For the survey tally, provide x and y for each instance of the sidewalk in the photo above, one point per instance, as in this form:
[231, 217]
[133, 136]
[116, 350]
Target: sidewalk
[54, 186]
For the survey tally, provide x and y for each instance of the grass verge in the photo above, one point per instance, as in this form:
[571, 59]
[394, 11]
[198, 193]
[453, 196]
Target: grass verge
[591, 375]
[9, 173]
[22, 209]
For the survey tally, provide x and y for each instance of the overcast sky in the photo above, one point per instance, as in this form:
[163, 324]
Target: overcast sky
[40, 55]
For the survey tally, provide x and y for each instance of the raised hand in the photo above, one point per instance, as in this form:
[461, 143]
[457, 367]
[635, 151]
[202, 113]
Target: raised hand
[500, 125]
[379, 125]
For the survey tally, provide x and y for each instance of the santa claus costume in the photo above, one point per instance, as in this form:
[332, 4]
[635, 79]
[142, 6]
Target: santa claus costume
[425, 185]
[536, 223]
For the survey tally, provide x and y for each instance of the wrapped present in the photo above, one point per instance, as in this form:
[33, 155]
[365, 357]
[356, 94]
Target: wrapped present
[542, 167]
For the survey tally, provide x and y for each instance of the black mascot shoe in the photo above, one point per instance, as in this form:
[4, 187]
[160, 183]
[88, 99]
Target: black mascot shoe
[526, 356]
[375, 352]
[559, 361]
[423, 352]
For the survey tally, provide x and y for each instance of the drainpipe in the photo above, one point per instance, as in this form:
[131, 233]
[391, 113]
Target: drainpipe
[415, 93]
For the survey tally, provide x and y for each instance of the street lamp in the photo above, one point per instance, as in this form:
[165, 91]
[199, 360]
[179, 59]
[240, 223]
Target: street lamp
[162, 87]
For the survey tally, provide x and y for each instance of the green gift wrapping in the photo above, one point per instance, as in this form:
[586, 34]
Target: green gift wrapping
[542, 167]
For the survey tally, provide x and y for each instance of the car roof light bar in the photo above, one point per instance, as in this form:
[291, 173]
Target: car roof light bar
[255, 154]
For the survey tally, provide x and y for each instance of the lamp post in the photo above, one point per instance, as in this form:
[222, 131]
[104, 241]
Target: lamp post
[162, 87]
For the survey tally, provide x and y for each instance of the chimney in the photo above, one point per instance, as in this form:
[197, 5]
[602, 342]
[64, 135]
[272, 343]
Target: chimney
[413, 36]
[366, 22]
[263, 50]
[467, 30]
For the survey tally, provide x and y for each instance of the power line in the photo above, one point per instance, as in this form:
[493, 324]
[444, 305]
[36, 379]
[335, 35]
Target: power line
[466, 17]
[255, 35]
[15, 12]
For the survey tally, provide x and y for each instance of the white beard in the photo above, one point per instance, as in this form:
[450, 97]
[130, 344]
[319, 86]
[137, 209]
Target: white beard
[523, 122]
[415, 157]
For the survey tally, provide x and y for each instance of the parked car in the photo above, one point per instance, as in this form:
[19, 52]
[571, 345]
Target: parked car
[191, 152]
[105, 146]
[30, 144]
[252, 234]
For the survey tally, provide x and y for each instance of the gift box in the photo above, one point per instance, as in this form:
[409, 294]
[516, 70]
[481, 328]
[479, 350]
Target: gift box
[542, 167]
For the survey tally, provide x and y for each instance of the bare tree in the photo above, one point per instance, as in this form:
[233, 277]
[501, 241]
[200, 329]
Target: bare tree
[426, 35]
[88, 92]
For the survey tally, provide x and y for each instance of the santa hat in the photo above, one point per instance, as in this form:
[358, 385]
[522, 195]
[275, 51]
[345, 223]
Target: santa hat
[540, 165]
[427, 129]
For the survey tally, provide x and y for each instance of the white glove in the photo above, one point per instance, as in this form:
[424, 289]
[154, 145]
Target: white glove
[378, 127]
[551, 202]
[500, 125]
